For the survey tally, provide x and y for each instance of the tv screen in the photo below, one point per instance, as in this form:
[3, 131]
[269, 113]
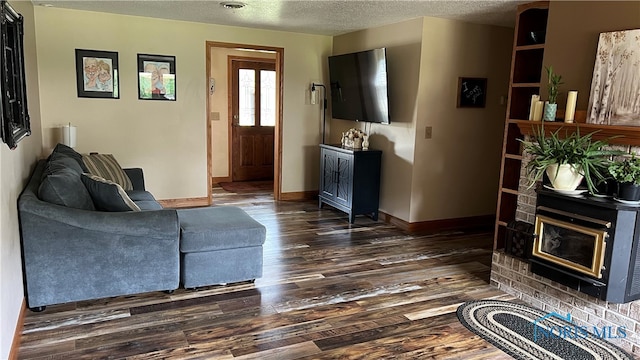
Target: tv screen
[359, 86]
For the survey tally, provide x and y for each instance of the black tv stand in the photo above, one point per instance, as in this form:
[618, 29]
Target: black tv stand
[350, 180]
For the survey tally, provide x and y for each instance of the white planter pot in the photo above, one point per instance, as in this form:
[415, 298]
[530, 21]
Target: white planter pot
[565, 178]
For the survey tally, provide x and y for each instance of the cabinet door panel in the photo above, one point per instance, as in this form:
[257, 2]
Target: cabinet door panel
[344, 179]
[329, 167]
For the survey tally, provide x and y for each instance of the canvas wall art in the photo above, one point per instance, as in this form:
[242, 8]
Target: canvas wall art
[615, 86]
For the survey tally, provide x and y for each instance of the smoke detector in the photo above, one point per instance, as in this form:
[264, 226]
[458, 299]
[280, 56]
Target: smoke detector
[233, 4]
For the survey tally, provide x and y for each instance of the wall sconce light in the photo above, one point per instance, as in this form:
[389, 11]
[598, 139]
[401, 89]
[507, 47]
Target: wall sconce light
[314, 95]
[69, 135]
[324, 105]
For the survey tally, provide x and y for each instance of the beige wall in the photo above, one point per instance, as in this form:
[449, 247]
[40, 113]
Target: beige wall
[219, 102]
[168, 139]
[15, 167]
[424, 179]
[467, 143]
[573, 28]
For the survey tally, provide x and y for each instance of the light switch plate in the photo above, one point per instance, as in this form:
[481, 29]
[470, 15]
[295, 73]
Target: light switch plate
[427, 132]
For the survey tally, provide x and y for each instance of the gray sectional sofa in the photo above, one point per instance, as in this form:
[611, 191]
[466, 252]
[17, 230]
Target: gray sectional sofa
[75, 248]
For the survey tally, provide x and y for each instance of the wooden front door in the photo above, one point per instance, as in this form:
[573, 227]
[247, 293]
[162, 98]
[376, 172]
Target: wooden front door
[253, 119]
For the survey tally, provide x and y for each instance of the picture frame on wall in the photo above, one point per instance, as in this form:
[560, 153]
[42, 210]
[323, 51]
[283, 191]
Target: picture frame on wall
[97, 74]
[156, 77]
[472, 92]
[613, 99]
[15, 123]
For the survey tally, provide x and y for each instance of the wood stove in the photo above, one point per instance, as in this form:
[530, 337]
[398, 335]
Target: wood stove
[588, 243]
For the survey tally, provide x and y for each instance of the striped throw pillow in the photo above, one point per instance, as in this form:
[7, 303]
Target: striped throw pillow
[106, 166]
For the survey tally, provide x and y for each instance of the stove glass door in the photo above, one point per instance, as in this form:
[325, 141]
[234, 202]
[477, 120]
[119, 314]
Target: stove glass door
[573, 246]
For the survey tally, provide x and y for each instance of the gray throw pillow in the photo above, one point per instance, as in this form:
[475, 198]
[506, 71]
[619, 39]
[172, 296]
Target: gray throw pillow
[65, 188]
[59, 163]
[63, 150]
[107, 195]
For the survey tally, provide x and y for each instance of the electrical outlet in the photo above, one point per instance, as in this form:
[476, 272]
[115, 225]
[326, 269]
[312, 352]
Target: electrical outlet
[427, 132]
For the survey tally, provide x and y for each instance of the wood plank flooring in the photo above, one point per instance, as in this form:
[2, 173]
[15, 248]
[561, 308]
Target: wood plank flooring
[330, 290]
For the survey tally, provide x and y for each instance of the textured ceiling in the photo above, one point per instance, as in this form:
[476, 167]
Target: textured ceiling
[307, 16]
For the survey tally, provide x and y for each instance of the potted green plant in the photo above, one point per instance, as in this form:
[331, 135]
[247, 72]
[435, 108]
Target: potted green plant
[606, 186]
[553, 87]
[626, 173]
[567, 160]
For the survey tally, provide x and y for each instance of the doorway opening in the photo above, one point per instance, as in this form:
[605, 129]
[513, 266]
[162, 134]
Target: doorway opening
[244, 117]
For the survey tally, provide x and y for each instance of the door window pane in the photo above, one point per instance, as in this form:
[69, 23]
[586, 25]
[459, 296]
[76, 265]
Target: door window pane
[267, 98]
[247, 95]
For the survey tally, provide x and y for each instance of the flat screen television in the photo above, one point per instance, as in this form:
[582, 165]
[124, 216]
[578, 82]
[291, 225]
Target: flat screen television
[359, 86]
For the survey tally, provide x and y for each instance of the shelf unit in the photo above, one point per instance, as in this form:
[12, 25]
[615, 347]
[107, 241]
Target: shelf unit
[525, 80]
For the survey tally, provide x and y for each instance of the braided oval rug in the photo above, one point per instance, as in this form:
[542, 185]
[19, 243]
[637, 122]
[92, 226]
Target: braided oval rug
[528, 333]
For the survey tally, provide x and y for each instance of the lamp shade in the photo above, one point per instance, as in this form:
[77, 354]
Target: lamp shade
[69, 133]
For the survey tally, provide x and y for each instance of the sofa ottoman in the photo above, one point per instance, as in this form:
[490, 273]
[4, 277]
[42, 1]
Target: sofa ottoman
[219, 245]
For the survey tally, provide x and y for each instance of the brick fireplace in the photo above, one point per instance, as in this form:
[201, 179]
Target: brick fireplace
[514, 276]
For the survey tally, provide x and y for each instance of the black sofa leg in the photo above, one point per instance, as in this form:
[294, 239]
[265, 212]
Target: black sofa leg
[38, 308]
[169, 291]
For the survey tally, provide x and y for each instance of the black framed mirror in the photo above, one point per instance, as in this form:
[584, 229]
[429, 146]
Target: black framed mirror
[14, 112]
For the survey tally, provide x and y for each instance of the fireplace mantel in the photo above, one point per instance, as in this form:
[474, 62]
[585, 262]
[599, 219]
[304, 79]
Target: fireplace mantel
[614, 134]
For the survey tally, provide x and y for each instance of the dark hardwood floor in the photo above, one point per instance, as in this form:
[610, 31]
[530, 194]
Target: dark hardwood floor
[330, 290]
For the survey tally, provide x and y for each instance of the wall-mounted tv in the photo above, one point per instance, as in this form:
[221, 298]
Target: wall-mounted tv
[359, 86]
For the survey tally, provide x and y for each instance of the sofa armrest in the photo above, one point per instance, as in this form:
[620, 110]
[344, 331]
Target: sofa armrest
[136, 175]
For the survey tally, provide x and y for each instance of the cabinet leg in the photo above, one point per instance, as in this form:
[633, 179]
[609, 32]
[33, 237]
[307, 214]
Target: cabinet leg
[352, 218]
[375, 216]
[319, 203]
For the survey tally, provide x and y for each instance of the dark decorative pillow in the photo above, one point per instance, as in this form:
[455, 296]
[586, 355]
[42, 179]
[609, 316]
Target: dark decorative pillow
[107, 195]
[106, 166]
[64, 150]
[65, 188]
[59, 163]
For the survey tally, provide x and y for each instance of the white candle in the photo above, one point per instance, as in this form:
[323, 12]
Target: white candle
[570, 111]
[534, 100]
[537, 111]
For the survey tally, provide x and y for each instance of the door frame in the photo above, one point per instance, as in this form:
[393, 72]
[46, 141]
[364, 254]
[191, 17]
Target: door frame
[277, 146]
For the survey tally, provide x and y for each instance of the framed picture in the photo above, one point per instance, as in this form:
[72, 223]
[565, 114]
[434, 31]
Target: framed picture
[472, 92]
[14, 114]
[97, 74]
[156, 77]
[615, 86]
